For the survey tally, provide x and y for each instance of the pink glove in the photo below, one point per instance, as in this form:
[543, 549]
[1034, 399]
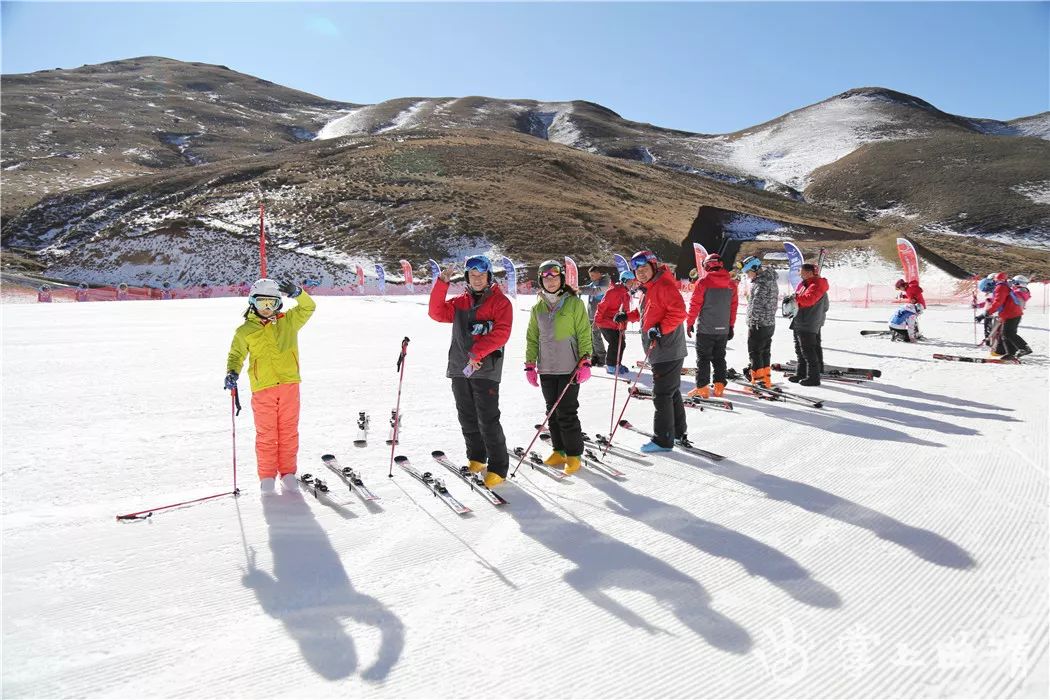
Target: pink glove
[583, 372]
[530, 374]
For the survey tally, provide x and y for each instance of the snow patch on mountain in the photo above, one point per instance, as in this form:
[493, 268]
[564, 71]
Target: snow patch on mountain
[1038, 192]
[800, 142]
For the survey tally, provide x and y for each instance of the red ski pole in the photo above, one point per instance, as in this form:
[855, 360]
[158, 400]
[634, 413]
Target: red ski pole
[235, 408]
[638, 376]
[544, 423]
[616, 383]
[397, 407]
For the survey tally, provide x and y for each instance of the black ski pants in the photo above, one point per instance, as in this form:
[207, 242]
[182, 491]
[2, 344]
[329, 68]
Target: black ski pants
[1011, 339]
[477, 405]
[759, 344]
[669, 419]
[615, 342]
[710, 352]
[809, 354]
[564, 425]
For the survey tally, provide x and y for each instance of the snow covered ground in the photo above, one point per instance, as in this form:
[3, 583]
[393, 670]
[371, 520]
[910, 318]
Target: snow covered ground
[893, 544]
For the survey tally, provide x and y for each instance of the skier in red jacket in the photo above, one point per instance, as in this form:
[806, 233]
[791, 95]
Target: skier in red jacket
[481, 319]
[618, 298]
[713, 304]
[1008, 304]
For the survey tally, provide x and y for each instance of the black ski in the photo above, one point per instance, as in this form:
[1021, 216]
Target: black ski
[678, 444]
[362, 430]
[436, 486]
[790, 396]
[349, 477]
[876, 332]
[473, 480]
[833, 370]
[691, 401]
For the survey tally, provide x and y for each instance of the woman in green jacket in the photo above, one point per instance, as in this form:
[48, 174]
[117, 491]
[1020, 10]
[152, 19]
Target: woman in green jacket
[558, 358]
[270, 341]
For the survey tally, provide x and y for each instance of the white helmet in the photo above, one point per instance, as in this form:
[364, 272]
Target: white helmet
[1019, 280]
[265, 288]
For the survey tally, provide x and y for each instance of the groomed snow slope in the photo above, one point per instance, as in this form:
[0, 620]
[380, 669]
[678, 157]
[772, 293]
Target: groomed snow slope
[892, 545]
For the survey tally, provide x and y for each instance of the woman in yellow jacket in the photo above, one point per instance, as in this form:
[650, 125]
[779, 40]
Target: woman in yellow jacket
[270, 341]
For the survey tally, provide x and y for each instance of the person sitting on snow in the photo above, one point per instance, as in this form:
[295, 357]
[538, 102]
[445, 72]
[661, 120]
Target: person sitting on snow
[903, 324]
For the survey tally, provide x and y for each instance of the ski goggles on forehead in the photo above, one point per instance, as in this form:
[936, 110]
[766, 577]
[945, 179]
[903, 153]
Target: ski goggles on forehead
[551, 271]
[266, 303]
[478, 264]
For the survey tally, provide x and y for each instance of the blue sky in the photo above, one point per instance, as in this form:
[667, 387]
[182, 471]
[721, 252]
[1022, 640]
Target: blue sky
[705, 67]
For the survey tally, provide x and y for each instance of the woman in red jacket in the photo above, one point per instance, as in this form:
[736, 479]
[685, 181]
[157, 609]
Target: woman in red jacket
[481, 319]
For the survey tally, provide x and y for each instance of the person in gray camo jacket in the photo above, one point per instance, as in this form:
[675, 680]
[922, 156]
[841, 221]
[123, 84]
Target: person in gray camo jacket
[761, 317]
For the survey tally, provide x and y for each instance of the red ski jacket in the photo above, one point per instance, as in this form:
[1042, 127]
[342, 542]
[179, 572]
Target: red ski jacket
[616, 299]
[720, 317]
[663, 304]
[913, 294]
[1003, 302]
[494, 307]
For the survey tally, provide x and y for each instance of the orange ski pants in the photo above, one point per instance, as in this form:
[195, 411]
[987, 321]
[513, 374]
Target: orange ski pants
[276, 411]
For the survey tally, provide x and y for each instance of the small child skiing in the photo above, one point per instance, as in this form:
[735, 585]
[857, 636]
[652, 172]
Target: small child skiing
[1007, 304]
[558, 359]
[269, 340]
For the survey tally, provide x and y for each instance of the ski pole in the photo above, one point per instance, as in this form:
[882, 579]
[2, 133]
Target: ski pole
[397, 408]
[630, 393]
[235, 408]
[544, 423]
[616, 383]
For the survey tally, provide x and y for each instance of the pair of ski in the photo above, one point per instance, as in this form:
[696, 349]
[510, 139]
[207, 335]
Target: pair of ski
[591, 459]
[834, 371]
[641, 392]
[680, 445]
[363, 422]
[775, 394]
[437, 485]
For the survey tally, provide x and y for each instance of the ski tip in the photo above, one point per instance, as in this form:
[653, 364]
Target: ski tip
[360, 443]
[400, 459]
[624, 423]
[325, 458]
[437, 453]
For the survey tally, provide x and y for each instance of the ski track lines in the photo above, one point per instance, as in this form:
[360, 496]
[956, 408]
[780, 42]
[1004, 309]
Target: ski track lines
[911, 511]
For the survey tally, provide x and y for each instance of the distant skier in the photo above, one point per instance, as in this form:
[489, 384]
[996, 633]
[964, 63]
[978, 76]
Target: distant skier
[558, 359]
[811, 295]
[761, 318]
[617, 299]
[165, 291]
[82, 292]
[482, 317]
[122, 291]
[1007, 303]
[269, 340]
[712, 309]
[43, 295]
[993, 336]
[661, 315]
[595, 290]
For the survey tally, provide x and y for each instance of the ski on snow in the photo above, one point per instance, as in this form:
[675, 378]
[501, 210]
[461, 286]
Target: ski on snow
[315, 486]
[436, 486]
[362, 430]
[473, 480]
[592, 460]
[678, 444]
[395, 421]
[536, 462]
[863, 373]
[349, 477]
[978, 360]
[600, 442]
[691, 401]
[777, 394]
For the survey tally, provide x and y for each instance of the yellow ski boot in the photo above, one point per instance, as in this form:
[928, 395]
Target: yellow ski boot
[475, 466]
[556, 459]
[492, 480]
[572, 465]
